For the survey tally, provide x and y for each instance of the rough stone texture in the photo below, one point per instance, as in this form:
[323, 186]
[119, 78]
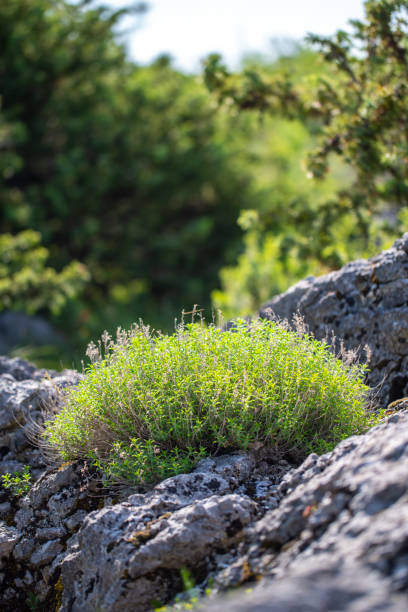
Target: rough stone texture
[344, 514]
[70, 544]
[111, 554]
[44, 522]
[9, 537]
[46, 553]
[365, 303]
[146, 551]
[152, 536]
[336, 535]
[24, 393]
[316, 589]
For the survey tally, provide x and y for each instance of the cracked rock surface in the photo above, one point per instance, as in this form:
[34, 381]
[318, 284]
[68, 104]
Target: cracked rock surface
[365, 303]
[345, 515]
[24, 393]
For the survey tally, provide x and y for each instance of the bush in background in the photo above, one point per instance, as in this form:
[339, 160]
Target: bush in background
[27, 283]
[355, 105]
[134, 172]
[121, 167]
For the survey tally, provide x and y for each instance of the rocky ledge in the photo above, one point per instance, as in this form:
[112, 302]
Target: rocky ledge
[25, 393]
[365, 304]
[330, 534]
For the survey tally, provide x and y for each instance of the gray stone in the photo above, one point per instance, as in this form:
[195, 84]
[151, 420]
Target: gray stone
[18, 398]
[25, 393]
[24, 549]
[5, 509]
[49, 533]
[347, 511]
[144, 550]
[190, 533]
[75, 520]
[17, 368]
[181, 511]
[341, 516]
[46, 553]
[316, 589]
[10, 466]
[9, 536]
[330, 534]
[365, 303]
[44, 489]
[61, 505]
[164, 523]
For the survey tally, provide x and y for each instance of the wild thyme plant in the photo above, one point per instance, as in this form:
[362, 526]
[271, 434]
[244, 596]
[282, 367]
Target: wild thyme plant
[152, 405]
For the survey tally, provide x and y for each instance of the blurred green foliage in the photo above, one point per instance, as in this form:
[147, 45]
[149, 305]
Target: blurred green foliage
[139, 174]
[353, 112]
[265, 268]
[27, 284]
[287, 202]
[123, 168]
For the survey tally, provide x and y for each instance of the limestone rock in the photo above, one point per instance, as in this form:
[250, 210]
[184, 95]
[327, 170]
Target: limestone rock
[151, 537]
[144, 550]
[9, 537]
[316, 589]
[46, 553]
[20, 369]
[24, 393]
[344, 514]
[365, 303]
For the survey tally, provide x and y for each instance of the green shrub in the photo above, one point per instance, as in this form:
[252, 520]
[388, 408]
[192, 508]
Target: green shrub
[19, 483]
[27, 283]
[155, 403]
